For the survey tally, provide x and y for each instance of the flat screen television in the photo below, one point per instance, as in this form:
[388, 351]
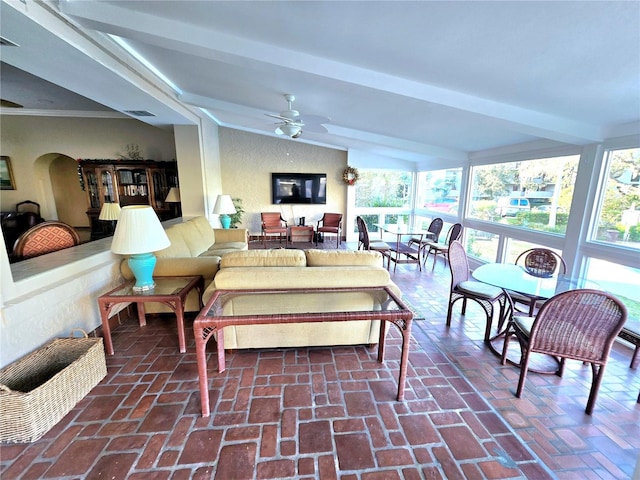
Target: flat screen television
[309, 188]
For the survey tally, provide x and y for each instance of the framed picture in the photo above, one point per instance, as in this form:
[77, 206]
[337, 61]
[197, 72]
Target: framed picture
[6, 175]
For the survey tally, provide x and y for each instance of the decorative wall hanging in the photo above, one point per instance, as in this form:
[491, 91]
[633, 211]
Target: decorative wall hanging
[350, 175]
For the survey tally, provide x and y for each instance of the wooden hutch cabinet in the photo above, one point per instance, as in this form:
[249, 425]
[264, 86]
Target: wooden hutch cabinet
[127, 182]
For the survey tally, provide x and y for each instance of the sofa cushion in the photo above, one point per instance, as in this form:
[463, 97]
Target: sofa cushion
[195, 237]
[221, 249]
[327, 258]
[297, 277]
[178, 247]
[264, 258]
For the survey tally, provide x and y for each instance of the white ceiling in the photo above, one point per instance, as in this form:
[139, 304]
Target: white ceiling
[410, 80]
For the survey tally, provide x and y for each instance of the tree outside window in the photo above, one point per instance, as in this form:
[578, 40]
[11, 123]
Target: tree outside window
[533, 194]
[619, 213]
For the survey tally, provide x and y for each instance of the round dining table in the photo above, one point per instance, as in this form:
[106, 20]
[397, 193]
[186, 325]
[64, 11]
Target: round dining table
[515, 278]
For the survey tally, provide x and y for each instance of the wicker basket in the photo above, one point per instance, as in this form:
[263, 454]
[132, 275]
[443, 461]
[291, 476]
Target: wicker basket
[42, 387]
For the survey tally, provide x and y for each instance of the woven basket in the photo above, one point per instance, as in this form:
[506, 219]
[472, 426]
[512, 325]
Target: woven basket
[42, 387]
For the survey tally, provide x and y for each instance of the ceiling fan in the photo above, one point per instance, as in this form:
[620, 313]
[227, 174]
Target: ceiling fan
[292, 123]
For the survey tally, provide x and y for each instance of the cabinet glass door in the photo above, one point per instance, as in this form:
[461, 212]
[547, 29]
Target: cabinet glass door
[92, 188]
[108, 188]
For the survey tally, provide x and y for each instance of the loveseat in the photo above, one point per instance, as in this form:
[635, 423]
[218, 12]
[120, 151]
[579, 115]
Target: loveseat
[195, 249]
[296, 269]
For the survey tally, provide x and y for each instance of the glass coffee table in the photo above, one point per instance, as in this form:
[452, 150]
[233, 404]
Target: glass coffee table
[316, 305]
[170, 291]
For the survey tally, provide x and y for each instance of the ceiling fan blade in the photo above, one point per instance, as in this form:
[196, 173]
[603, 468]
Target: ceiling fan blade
[315, 127]
[314, 119]
[279, 117]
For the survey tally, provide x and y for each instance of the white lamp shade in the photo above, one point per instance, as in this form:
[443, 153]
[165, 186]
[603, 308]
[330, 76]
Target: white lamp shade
[289, 130]
[224, 205]
[173, 196]
[138, 231]
[109, 211]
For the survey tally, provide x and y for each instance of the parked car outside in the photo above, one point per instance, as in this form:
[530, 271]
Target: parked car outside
[510, 206]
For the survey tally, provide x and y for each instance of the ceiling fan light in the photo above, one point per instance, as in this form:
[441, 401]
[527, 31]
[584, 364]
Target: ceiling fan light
[290, 130]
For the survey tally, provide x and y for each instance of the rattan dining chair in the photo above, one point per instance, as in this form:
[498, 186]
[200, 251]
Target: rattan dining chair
[365, 243]
[439, 248]
[435, 227]
[579, 325]
[462, 288]
[539, 262]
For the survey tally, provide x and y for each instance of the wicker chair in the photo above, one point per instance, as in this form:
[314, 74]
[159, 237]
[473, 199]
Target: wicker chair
[539, 262]
[330, 223]
[366, 244]
[43, 238]
[435, 227]
[438, 248]
[272, 223]
[579, 324]
[464, 289]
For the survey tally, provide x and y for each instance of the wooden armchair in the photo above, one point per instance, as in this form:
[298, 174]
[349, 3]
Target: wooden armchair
[273, 224]
[43, 238]
[330, 223]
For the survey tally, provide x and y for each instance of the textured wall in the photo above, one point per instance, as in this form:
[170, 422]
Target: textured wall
[31, 321]
[249, 159]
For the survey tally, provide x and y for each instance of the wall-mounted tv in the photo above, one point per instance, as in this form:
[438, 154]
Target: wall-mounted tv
[308, 188]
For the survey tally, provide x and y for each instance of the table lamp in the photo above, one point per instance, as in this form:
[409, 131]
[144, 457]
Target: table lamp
[224, 207]
[173, 197]
[139, 234]
[110, 213]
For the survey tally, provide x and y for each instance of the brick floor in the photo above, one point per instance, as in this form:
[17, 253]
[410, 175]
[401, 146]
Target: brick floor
[331, 413]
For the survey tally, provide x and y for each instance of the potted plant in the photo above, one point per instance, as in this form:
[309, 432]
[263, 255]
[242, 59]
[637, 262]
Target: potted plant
[236, 218]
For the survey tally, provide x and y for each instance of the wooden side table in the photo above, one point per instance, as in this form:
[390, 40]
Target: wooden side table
[170, 291]
[301, 233]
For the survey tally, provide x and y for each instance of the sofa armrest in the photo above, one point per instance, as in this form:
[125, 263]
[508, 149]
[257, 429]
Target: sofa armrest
[231, 235]
[179, 266]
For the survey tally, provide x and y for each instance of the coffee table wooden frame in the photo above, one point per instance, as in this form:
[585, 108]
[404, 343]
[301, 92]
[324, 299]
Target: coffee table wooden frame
[205, 326]
[175, 301]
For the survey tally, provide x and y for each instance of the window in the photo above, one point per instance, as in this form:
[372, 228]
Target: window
[620, 280]
[481, 245]
[618, 217]
[383, 188]
[439, 190]
[534, 194]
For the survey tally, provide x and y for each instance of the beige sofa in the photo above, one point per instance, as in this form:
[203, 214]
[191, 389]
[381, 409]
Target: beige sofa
[295, 269]
[195, 249]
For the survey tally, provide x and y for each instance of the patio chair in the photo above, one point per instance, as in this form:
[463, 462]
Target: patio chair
[539, 262]
[439, 248]
[376, 245]
[272, 223]
[579, 325]
[435, 227]
[464, 289]
[43, 238]
[330, 223]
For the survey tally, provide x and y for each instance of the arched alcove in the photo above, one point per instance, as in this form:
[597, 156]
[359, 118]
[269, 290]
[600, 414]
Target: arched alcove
[70, 199]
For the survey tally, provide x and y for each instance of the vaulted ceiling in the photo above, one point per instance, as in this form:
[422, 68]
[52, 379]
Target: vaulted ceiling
[408, 80]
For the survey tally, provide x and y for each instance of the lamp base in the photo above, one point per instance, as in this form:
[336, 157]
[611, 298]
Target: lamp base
[142, 265]
[225, 220]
